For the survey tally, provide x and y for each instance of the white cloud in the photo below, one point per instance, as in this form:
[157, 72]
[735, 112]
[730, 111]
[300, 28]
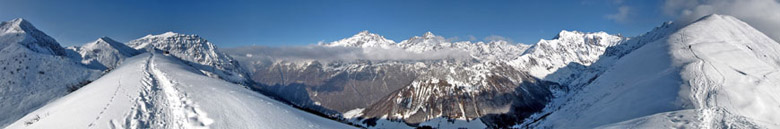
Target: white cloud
[472, 38]
[453, 39]
[326, 54]
[497, 38]
[763, 15]
[622, 14]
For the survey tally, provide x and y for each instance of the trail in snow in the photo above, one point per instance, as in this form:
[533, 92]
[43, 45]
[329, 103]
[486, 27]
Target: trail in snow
[143, 111]
[185, 113]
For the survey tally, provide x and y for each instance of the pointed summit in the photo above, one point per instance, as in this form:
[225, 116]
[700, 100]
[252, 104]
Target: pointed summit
[363, 39]
[108, 43]
[105, 53]
[428, 35]
[364, 32]
[428, 42]
[19, 24]
[169, 33]
[108, 40]
[22, 32]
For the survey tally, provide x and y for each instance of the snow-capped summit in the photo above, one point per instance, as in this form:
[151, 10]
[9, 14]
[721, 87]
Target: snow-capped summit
[424, 43]
[428, 35]
[22, 32]
[195, 49]
[363, 39]
[104, 53]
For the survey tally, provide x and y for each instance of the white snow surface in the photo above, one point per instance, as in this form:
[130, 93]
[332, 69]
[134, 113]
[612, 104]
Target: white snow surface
[153, 90]
[718, 72]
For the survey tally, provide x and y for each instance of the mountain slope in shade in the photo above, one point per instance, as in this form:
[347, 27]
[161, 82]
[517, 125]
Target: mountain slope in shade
[200, 52]
[34, 70]
[717, 72]
[103, 53]
[153, 90]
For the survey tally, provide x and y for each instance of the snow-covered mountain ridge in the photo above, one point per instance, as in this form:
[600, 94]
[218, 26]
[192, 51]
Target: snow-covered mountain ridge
[202, 53]
[153, 90]
[103, 53]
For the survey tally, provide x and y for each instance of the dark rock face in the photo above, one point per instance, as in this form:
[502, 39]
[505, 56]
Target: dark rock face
[412, 92]
[337, 90]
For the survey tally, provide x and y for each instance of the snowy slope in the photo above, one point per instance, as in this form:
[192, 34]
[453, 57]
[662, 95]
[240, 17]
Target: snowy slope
[200, 52]
[33, 70]
[153, 90]
[717, 72]
[103, 53]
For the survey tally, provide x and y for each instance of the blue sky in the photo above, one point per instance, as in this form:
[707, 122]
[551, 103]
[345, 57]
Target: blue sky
[296, 22]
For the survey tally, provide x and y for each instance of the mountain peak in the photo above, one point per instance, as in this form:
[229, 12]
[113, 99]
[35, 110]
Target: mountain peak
[566, 33]
[108, 41]
[21, 22]
[428, 35]
[105, 39]
[17, 25]
[166, 34]
[364, 32]
[169, 33]
[26, 34]
[363, 39]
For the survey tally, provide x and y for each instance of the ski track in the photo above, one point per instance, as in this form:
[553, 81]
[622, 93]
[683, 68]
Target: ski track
[160, 105]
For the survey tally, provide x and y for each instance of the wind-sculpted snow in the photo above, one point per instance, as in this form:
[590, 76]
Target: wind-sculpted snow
[717, 72]
[153, 90]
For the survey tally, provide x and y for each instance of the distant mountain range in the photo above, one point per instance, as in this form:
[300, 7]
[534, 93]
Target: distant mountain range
[717, 72]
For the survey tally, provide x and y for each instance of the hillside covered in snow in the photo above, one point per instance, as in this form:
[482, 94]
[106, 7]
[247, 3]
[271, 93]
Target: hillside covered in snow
[717, 72]
[35, 70]
[154, 90]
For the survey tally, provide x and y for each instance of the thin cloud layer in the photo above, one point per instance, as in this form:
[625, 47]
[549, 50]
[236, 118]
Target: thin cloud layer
[326, 54]
[763, 15]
